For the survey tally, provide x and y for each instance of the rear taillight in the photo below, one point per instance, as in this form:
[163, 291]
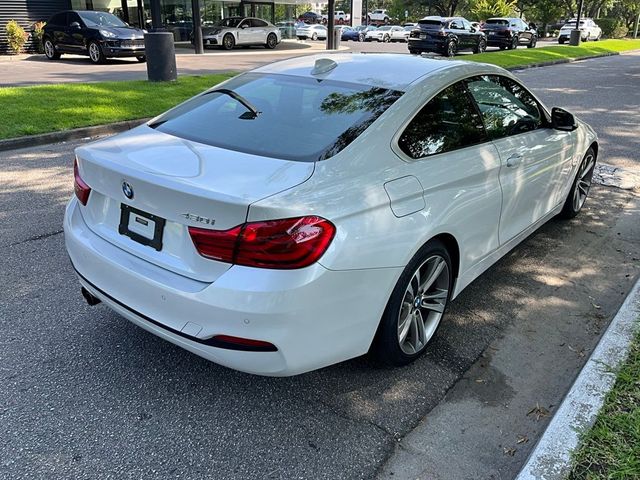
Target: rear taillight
[82, 189]
[282, 244]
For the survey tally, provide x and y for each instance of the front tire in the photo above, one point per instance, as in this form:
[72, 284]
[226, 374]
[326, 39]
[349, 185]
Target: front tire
[95, 53]
[141, 58]
[314, 36]
[533, 42]
[416, 306]
[514, 43]
[272, 41]
[580, 187]
[228, 42]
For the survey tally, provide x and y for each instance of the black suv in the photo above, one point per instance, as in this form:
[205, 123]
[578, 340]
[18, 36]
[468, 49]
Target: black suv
[446, 36]
[97, 34]
[310, 17]
[509, 33]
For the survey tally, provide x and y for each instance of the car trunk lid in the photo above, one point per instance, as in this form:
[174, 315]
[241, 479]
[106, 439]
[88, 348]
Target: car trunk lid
[182, 183]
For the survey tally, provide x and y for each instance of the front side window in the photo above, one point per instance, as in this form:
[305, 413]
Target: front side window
[448, 122]
[280, 116]
[507, 107]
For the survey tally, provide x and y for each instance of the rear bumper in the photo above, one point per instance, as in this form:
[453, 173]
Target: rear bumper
[427, 45]
[314, 316]
[498, 41]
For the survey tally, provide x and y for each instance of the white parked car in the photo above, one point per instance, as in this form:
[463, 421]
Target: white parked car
[314, 32]
[322, 207]
[589, 30]
[379, 15]
[233, 31]
[382, 34]
[401, 34]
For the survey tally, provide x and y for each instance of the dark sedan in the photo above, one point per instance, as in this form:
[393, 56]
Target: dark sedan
[509, 33]
[100, 35]
[356, 34]
[446, 35]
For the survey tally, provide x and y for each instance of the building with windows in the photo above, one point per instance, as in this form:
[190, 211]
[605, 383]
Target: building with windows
[177, 15]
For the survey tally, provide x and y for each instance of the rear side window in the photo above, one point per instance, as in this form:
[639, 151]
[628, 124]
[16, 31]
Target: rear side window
[256, 22]
[59, 19]
[507, 107]
[448, 122]
[302, 119]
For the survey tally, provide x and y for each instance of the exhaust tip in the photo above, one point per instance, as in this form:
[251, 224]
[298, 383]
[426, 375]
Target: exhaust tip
[91, 299]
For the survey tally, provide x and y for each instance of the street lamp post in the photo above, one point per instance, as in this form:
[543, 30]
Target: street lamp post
[576, 35]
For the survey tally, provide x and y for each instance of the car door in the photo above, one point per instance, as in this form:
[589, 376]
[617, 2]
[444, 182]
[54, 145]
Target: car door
[75, 33]
[535, 159]
[244, 32]
[56, 29]
[469, 36]
[258, 31]
[458, 169]
[457, 28]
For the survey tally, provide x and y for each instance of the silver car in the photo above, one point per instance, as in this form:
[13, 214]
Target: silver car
[314, 32]
[245, 31]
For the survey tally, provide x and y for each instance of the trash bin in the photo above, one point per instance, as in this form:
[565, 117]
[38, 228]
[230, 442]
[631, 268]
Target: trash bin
[337, 36]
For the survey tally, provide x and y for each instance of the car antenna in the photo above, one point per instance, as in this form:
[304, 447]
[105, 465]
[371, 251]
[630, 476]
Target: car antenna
[323, 65]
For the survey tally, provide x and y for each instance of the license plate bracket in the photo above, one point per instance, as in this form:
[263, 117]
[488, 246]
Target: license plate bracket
[157, 228]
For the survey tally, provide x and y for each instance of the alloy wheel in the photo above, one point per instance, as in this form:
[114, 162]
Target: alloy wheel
[94, 52]
[583, 183]
[423, 305]
[451, 48]
[48, 49]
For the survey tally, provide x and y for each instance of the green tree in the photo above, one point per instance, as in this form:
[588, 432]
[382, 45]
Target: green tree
[544, 12]
[483, 9]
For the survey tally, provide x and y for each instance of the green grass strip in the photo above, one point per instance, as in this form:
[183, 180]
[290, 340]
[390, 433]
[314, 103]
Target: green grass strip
[50, 108]
[527, 56]
[611, 449]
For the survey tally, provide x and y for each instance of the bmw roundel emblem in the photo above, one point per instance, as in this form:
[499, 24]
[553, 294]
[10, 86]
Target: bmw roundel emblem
[127, 189]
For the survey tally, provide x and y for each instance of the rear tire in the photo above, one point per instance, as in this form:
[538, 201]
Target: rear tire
[272, 41]
[561, 41]
[50, 50]
[141, 59]
[580, 188]
[314, 36]
[450, 49]
[416, 307]
[514, 43]
[481, 47]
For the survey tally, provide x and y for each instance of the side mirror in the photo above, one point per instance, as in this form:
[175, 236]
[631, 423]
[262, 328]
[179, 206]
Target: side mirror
[75, 25]
[244, 25]
[563, 120]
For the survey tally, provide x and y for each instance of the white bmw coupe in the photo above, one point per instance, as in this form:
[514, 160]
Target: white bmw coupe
[320, 208]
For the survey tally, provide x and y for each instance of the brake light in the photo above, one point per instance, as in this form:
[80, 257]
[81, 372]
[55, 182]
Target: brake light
[82, 189]
[280, 244]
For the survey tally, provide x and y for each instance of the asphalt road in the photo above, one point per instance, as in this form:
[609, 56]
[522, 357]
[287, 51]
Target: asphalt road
[36, 69]
[86, 394]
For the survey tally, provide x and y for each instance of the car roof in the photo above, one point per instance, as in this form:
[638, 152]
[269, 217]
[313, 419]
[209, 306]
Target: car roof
[385, 70]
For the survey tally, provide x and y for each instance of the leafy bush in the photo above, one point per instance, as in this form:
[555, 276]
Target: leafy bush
[37, 31]
[612, 27]
[16, 36]
[483, 9]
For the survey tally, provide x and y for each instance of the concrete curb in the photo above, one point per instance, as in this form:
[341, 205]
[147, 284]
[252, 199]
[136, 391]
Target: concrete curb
[562, 60]
[551, 458]
[66, 135]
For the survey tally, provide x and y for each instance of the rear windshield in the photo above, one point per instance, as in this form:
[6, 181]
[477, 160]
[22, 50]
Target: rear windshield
[572, 24]
[302, 119]
[431, 23]
[497, 21]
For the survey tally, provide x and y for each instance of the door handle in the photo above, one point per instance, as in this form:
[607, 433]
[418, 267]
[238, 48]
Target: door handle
[514, 160]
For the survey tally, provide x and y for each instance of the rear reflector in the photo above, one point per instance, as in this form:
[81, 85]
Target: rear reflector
[247, 344]
[82, 189]
[281, 244]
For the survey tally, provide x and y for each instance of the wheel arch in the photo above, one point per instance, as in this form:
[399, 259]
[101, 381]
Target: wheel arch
[452, 246]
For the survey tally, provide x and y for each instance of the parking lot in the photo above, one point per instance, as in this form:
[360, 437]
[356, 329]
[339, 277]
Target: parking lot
[75, 68]
[86, 394]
